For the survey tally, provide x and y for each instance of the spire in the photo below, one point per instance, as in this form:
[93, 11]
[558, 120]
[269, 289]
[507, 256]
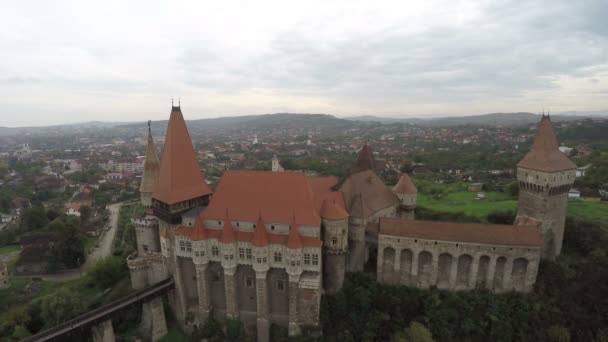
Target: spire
[544, 155]
[365, 160]
[294, 241]
[227, 231]
[180, 177]
[200, 231]
[405, 185]
[151, 166]
[260, 237]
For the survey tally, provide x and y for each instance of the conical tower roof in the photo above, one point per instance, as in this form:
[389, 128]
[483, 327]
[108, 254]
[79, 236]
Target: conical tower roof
[405, 185]
[545, 154]
[180, 177]
[151, 166]
[260, 237]
[294, 240]
[227, 231]
[365, 160]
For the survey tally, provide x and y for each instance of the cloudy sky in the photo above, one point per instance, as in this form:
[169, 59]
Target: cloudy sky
[73, 61]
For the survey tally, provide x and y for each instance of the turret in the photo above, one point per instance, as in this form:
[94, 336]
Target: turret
[181, 185]
[260, 244]
[334, 228]
[406, 191]
[228, 241]
[151, 171]
[545, 175]
[365, 160]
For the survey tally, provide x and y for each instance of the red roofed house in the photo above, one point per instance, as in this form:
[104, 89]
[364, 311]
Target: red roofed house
[265, 246]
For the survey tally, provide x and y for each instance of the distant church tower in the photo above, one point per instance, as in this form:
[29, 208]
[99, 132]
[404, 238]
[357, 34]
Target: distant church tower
[406, 191]
[276, 166]
[151, 170]
[545, 175]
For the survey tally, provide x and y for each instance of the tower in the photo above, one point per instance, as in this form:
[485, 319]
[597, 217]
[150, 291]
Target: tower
[406, 191]
[180, 189]
[151, 170]
[276, 166]
[334, 229]
[545, 175]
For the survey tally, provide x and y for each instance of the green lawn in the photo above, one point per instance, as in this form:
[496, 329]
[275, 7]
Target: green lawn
[9, 249]
[467, 202]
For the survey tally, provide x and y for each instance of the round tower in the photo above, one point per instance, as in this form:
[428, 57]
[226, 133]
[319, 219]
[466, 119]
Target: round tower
[545, 175]
[406, 191]
[334, 230]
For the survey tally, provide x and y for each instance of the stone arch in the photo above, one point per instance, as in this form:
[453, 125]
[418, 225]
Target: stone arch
[406, 267]
[463, 274]
[388, 265]
[445, 268]
[425, 269]
[246, 288]
[482, 272]
[278, 293]
[518, 275]
[215, 274]
[499, 273]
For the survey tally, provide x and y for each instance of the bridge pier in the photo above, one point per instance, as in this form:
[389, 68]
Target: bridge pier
[153, 322]
[103, 332]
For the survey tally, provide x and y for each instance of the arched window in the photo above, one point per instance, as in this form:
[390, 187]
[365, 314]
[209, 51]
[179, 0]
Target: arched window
[278, 257]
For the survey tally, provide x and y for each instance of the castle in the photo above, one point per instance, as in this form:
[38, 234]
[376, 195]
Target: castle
[265, 246]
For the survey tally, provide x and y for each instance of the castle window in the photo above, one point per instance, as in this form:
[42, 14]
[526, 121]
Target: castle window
[306, 259]
[237, 224]
[197, 254]
[225, 256]
[264, 259]
[281, 285]
[272, 227]
[215, 251]
[293, 263]
[249, 282]
[248, 250]
[315, 259]
[182, 246]
[259, 260]
[278, 257]
[241, 253]
[189, 246]
[334, 241]
[231, 256]
[219, 223]
[145, 247]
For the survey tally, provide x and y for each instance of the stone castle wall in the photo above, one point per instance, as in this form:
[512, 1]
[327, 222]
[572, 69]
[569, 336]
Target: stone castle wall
[456, 266]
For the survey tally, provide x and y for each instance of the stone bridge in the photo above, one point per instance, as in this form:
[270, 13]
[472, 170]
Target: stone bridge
[100, 319]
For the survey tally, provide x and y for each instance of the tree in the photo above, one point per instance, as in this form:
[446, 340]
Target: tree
[85, 213]
[557, 333]
[60, 306]
[108, 271]
[21, 332]
[69, 250]
[34, 218]
[417, 332]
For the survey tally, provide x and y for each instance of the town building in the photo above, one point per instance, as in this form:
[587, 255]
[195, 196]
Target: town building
[265, 246]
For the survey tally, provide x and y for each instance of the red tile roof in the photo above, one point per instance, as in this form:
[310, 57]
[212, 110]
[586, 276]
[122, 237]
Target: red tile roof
[481, 233]
[184, 231]
[332, 211]
[544, 155]
[180, 177]
[405, 185]
[275, 194]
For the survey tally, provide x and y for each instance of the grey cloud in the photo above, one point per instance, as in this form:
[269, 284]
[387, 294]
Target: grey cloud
[516, 47]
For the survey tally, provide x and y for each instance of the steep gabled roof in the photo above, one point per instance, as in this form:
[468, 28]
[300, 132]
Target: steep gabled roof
[375, 195]
[260, 236]
[180, 177]
[151, 166]
[294, 240]
[544, 155]
[405, 185]
[365, 160]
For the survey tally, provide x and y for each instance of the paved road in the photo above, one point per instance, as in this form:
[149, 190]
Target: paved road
[106, 241]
